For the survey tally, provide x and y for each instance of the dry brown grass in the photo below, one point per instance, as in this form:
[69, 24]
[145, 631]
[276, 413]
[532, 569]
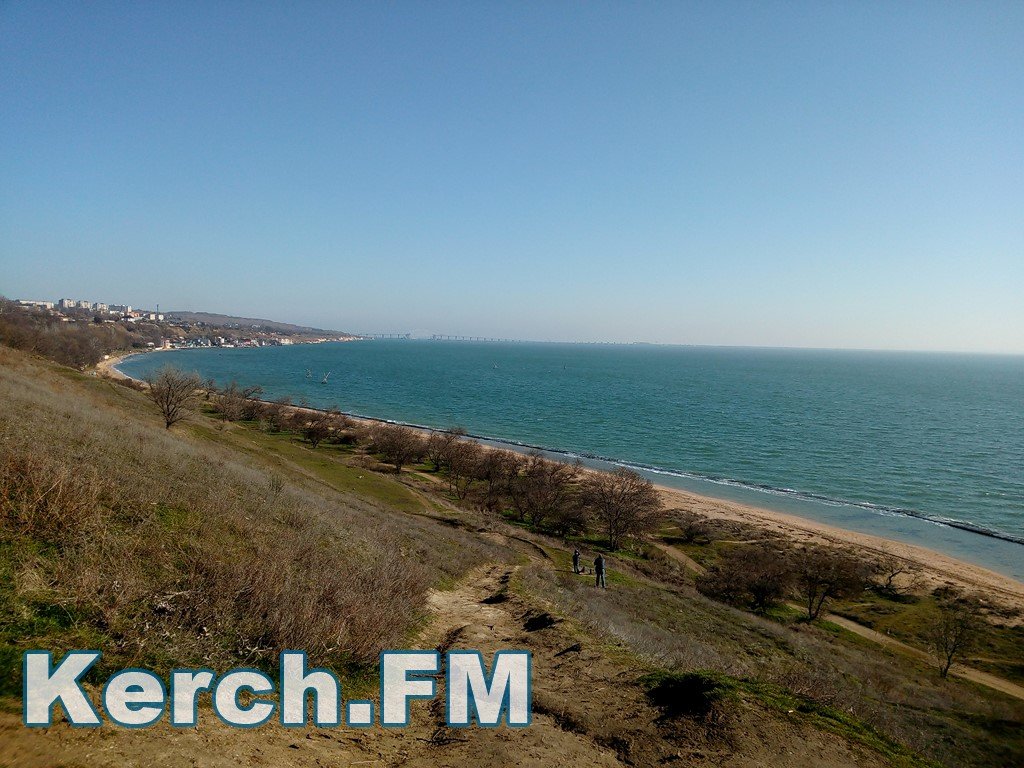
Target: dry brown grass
[168, 550]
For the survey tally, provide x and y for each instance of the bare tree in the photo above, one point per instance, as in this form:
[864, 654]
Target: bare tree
[571, 518]
[318, 426]
[752, 576]
[691, 525]
[623, 502]
[494, 469]
[463, 456]
[279, 415]
[895, 577]
[396, 444]
[439, 445]
[952, 631]
[238, 403]
[175, 393]
[822, 573]
[540, 487]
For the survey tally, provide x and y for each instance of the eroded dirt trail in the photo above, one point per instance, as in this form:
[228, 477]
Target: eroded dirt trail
[481, 615]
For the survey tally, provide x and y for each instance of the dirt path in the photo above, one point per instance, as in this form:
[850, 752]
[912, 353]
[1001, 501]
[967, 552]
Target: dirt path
[958, 670]
[967, 673]
[680, 557]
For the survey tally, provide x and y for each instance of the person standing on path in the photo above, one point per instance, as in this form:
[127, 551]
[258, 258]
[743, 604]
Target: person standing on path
[599, 572]
[576, 561]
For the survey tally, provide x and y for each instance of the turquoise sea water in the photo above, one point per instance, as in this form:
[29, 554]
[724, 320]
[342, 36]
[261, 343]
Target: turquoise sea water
[885, 443]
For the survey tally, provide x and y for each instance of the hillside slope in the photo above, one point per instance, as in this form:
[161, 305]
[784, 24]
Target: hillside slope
[222, 543]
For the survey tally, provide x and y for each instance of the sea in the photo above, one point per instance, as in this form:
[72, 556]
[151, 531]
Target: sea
[926, 448]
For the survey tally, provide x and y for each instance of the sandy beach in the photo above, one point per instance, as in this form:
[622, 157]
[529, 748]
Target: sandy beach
[106, 367]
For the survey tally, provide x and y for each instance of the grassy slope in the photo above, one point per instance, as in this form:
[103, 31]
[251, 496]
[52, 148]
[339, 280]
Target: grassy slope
[649, 617]
[179, 547]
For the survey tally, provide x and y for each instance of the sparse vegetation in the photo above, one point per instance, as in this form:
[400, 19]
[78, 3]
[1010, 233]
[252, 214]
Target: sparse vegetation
[953, 630]
[165, 551]
[175, 393]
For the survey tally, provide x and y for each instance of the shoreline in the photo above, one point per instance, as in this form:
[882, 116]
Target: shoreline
[937, 568]
[108, 366]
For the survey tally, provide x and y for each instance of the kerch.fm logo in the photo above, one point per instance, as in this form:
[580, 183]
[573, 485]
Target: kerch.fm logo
[247, 698]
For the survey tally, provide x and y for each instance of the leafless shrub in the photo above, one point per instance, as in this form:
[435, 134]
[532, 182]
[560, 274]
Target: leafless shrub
[692, 527]
[175, 393]
[278, 416]
[238, 403]
[463, 456]
[541, 487]
[569, 519]
[346, 430]
[316, 426]
[494, 470]
[439, 445]
[895, 577]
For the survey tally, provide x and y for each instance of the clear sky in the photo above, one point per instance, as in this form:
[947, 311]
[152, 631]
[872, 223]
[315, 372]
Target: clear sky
[797, 174]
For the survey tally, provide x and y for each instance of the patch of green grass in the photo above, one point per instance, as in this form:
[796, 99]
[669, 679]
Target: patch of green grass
[784, 614]
[831, 719]
[704, 554]
[35, 621]
[326, 463]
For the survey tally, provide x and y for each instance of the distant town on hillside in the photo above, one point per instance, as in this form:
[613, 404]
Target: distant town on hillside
[180, 329]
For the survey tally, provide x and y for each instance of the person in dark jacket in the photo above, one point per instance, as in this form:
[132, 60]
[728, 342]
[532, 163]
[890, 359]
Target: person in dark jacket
[599, 572]
[575, 561]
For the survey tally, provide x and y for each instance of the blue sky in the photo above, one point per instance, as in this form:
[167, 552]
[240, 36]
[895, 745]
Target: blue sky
[795, 174]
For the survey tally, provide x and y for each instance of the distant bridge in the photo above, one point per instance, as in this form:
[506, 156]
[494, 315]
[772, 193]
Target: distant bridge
[435, 337]
[443, 337]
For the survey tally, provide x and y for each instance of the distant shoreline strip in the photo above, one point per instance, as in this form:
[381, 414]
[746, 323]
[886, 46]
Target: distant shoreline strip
[880, 509]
